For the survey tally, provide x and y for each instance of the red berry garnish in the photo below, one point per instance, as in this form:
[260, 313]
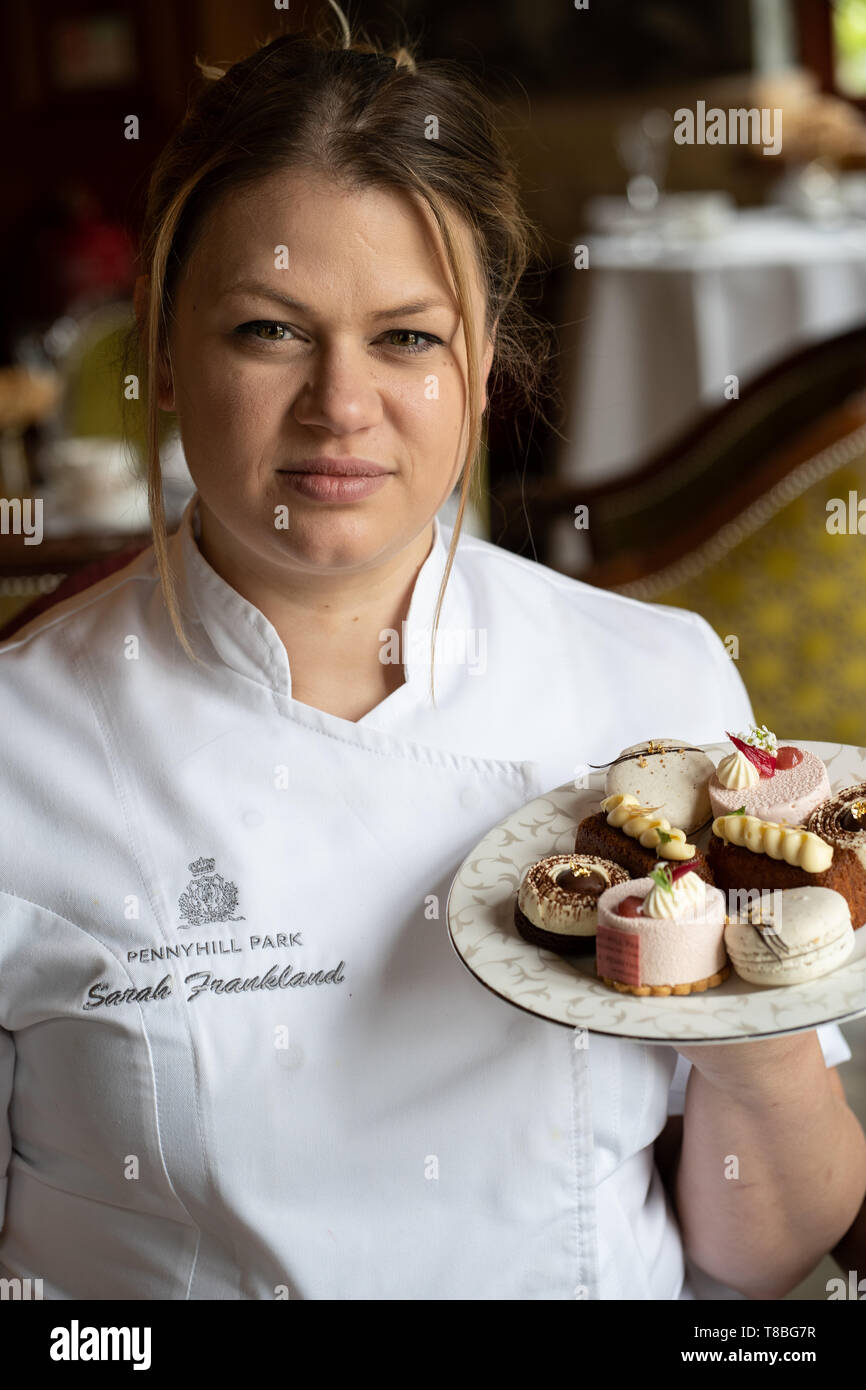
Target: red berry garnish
[630, 907]
[765, 762]
[684, 867]
[789, 756]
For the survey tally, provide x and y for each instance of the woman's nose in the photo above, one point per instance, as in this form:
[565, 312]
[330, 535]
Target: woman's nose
[339, 391]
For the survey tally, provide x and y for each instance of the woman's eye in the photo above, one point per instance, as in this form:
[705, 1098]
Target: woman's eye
[272, 331]
[266, 329]
[429, 340]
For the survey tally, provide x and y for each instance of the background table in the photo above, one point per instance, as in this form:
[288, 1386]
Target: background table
[666, 321]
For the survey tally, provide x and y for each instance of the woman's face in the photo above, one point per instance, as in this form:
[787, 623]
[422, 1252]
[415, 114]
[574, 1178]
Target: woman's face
[297, 336]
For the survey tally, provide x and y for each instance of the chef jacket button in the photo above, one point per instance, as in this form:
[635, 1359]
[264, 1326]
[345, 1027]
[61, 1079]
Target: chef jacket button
[470, 797]
[253, 818]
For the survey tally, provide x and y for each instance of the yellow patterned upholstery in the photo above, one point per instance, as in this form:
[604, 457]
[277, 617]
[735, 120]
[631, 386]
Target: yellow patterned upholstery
[794, 597]
[731, 521]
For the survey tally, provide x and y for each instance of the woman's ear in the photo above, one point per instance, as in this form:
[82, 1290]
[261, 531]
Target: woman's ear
[165, 387]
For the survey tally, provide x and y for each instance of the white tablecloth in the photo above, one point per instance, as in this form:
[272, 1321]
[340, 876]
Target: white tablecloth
[667, 322]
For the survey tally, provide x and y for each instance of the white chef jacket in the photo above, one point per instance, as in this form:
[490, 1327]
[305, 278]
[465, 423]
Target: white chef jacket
[239, 1056]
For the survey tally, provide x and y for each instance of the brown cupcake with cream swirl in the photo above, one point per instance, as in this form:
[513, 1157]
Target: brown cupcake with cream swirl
[841, 821]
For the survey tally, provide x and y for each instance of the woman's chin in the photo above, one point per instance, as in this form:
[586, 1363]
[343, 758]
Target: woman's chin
[330, 543]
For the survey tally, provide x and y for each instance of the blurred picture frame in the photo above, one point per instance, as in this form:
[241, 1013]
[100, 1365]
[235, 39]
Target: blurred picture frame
[77, 58]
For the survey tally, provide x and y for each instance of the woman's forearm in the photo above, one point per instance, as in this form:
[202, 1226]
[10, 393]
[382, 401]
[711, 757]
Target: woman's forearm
[850, 1252]
[772, 1169]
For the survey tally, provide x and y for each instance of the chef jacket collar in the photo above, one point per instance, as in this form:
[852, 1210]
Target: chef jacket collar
[248, 643]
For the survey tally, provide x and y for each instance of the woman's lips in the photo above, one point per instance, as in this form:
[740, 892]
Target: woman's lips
[335, 487]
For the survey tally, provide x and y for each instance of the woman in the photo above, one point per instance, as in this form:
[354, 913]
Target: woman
[247, 1063]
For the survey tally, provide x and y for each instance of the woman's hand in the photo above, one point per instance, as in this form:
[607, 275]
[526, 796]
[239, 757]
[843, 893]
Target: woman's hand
[772, 1169]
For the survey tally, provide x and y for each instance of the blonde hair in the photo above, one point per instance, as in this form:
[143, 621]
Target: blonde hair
[358, 114]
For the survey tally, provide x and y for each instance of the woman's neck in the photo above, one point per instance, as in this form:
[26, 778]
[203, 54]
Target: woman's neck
[329, 624]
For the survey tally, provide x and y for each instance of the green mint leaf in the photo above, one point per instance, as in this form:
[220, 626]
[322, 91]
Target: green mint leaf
[661, 877]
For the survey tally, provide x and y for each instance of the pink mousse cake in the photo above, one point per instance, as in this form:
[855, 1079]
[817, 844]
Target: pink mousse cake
[788, 797]
[661, 955]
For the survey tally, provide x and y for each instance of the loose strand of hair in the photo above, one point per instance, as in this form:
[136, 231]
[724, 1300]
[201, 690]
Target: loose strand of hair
[459, 271]
[157, 351]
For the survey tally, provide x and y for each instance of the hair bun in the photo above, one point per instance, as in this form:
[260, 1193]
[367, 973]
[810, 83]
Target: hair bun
[403, 59]
[209, 71]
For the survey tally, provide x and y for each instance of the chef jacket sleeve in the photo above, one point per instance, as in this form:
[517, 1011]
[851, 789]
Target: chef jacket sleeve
[7, 1068]
[833, 1045]
[736, 706]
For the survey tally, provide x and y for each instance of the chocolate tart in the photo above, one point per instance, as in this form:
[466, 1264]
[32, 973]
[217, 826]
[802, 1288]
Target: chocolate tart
[557, 908]
[841, 821]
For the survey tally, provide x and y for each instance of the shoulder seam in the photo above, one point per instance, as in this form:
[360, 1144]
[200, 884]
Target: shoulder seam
[14, 642]
[562, 581]
[41, 907]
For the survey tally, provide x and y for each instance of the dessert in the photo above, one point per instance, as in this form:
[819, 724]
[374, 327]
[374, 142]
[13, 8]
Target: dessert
[557, 901]
[663, 934]
[841, 821]
[665, 772]
[782, 785]
[795, 845]
[803, 934]
[635, 836]
[748, 853]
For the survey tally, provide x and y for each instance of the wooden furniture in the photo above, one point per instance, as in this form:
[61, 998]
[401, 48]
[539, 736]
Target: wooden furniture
[33, 577]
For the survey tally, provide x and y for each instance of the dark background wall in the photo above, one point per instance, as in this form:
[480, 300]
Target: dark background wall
[541, 49]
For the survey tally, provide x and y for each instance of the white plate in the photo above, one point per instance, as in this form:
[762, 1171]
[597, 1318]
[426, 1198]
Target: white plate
[565, 990]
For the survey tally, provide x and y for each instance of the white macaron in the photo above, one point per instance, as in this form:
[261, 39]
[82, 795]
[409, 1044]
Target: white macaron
[673, 776]
[797, 934]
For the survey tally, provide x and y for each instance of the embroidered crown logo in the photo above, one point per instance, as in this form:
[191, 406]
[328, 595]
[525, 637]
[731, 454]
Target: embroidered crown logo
[208, 897]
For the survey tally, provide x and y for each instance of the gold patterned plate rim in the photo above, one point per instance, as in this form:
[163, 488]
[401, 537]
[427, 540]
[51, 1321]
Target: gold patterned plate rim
[565, 990]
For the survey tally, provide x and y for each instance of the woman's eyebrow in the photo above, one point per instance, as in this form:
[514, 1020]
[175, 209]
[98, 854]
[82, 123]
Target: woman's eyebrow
[416, 306]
